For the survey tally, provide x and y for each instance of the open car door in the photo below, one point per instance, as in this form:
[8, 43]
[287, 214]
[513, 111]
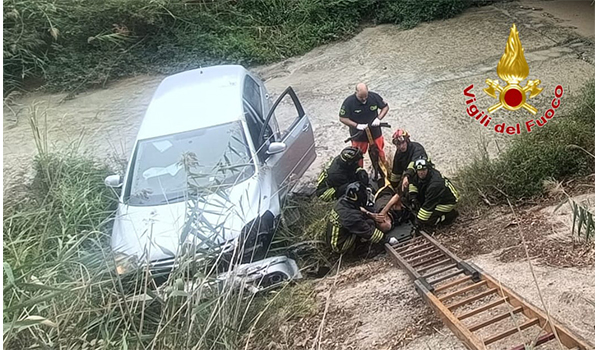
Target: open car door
[295, 132]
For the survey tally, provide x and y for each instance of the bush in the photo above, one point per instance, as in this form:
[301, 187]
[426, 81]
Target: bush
[61, 289]
[558, 151]
[410, 13]
[74, 44]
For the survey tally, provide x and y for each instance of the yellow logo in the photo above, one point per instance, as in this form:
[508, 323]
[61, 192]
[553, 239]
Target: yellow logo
[513, 68]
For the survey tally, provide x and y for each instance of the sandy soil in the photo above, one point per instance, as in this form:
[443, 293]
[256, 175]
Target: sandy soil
[421, 73]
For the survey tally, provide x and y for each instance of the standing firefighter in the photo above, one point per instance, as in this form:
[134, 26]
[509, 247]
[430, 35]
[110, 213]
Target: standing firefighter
[349, 224]
[432, 196]
[361, 110]
[340, 172]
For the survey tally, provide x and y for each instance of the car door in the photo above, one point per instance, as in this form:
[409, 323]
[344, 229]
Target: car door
[297, 134]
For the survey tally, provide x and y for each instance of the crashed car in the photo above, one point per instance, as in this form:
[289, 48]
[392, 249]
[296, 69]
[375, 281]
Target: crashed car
[215, 132]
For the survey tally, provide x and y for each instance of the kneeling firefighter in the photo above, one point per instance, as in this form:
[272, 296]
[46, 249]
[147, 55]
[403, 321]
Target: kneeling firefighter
[349, 224]
[432, 196]
[342, 170]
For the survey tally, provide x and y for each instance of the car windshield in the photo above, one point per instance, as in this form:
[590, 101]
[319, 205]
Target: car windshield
[164, 168]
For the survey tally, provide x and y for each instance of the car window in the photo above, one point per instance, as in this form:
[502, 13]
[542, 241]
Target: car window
[287, 115]
[252, 95]
[166, 167]
[254, 125]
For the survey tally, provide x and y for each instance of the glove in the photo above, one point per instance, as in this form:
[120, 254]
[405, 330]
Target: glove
[393, 241]
[361, 126]
[414, 205]
[376, 122]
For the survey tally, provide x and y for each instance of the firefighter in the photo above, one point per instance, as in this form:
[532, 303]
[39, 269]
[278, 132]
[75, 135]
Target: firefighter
[431, 196]
[349, 224]
[407, 152]
[340, 172]
[361, 110]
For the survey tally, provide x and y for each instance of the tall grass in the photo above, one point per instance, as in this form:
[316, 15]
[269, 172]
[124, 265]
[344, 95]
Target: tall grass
[560, 150]
[61, 290]
[73, 44]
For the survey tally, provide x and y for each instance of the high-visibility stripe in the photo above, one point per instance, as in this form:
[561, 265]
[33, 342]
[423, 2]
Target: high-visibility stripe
[328, 195]
[453, 189]
[334, 237]
[335, 216]
[412, 188]
[348, 244]
[323, 174]
[445, 207]
[322, 177]
[359, 169]
[411, 165]
[376, 236]
[424, 214]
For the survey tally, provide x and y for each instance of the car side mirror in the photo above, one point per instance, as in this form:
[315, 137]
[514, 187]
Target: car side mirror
[113, 181]
[276, 147]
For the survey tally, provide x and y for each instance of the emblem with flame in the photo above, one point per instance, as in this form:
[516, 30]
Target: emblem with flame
[513, 68]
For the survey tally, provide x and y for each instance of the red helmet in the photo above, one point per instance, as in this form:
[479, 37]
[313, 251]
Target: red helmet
[400, 136]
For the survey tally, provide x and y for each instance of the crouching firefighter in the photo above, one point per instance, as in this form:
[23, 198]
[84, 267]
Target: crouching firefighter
[350, 225]
[341, 171]
[431, 196]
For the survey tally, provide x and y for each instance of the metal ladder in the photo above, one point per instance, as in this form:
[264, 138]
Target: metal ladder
[450, 285]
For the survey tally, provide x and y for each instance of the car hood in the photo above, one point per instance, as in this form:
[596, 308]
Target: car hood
[154, 233]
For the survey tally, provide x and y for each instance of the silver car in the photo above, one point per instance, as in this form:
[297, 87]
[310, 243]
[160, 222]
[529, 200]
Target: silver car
[213, 130]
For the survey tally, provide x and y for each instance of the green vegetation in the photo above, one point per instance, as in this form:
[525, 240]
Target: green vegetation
[61, 289]
[74, 44]
[562, 149]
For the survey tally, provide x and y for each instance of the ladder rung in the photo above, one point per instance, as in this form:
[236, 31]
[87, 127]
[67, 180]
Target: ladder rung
[445, 268]
[439, 263]
[428, 261]
[482, 309]
[471, 299]
[410, 243]
[423, 256]
[413, 247]
[452, 284]
[495, 319]
[541, 340]
[527, 324]
[462, 290]
[415, 253]
[443, 278]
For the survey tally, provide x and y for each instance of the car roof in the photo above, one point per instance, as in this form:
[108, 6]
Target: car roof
[195, 99]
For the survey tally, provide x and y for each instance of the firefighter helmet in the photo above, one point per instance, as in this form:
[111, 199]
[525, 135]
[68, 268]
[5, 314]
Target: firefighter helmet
[356, 193]
[400, 136]
[423, 163]
[351, 155]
